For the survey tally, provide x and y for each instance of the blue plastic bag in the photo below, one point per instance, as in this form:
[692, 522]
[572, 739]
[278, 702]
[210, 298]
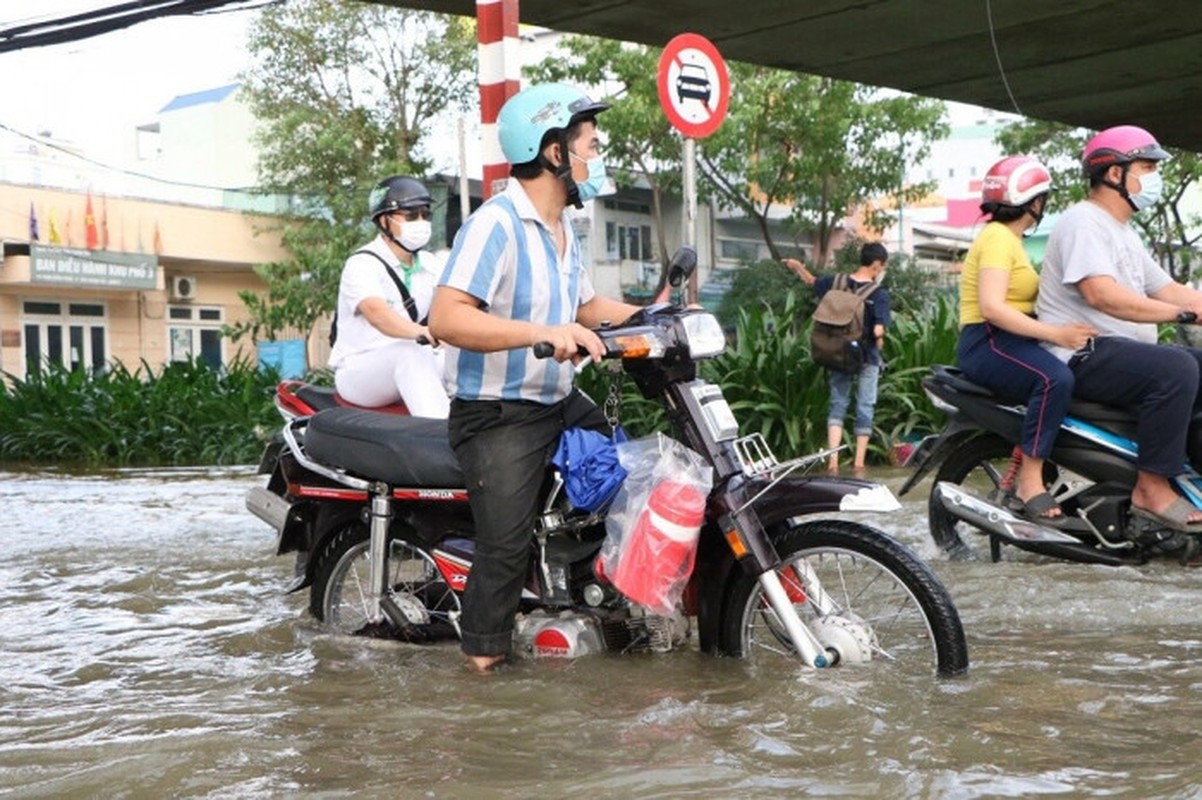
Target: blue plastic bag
[589, 463]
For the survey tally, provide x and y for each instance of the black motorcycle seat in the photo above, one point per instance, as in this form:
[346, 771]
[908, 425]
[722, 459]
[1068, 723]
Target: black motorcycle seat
[399, 450]
[318, 397]
[1083, 409]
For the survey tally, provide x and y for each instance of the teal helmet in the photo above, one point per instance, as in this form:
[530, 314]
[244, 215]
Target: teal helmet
[530, 114]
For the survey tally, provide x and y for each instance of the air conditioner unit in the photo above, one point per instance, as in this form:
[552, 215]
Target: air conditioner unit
[183, 287]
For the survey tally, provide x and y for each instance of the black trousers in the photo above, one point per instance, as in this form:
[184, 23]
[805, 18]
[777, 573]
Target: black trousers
[1158, 383]
[504, 449]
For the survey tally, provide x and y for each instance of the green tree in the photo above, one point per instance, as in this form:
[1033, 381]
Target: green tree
[819, 145]
[345, 94]
[1171, 231]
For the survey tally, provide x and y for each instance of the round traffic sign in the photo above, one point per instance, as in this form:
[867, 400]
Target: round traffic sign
[693, 84]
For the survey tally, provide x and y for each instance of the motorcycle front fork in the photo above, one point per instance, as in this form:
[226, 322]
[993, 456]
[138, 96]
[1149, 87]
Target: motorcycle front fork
[804, 641]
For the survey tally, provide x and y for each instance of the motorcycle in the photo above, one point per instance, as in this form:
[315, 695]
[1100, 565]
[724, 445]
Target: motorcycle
[376, 505]
[1090, 474]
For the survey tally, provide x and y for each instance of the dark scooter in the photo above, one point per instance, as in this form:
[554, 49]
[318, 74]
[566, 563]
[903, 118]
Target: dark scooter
[1090, 474]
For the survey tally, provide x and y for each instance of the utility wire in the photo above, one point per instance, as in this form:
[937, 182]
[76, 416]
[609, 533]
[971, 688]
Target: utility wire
[110, 18]
[46, 143]
[997, 56]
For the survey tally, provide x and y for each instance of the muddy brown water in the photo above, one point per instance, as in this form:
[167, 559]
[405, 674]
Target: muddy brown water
[146, 651]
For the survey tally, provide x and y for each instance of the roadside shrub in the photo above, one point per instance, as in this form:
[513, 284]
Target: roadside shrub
[187, 414]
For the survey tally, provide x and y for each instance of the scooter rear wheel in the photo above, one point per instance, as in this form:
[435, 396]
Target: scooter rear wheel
[978, 464]
[341, 592]
[883, 608]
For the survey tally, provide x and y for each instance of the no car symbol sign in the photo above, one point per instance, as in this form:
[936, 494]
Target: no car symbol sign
[693, 84]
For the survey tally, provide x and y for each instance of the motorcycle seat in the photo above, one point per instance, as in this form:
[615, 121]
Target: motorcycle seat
[1088, 410]
[399, 450]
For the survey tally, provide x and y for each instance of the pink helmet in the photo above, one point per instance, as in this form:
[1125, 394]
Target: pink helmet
[1015, 181]
[1121, 144]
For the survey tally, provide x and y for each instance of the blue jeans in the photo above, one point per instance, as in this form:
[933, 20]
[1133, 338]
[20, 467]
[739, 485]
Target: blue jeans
[840, 386]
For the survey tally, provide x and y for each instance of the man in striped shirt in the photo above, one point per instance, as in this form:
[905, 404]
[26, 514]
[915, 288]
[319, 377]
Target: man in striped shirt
[515, 278]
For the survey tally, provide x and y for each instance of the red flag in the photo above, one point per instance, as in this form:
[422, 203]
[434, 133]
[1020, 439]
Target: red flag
[91, 235]
[104, 223]
[158, 240]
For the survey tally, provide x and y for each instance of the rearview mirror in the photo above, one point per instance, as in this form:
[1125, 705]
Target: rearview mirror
[683, 262]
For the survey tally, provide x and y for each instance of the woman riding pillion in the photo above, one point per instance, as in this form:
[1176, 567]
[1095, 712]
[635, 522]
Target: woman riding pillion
[1000, 339]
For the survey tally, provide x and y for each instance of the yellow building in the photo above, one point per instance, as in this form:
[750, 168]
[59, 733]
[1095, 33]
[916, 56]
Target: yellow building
[86, 280]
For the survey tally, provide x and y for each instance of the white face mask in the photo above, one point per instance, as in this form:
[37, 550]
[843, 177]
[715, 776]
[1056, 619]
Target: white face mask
[1151, 186]
[415, 234]
[597, 181]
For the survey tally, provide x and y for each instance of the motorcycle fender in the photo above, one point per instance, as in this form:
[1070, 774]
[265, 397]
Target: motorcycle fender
[820, 494]
[934, 449]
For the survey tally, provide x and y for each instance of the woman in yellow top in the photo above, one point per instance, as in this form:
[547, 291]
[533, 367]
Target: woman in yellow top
[999, 345]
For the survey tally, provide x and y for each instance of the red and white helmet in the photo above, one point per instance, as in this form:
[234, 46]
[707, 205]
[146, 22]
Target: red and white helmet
[1015, 181]
[1121, 144]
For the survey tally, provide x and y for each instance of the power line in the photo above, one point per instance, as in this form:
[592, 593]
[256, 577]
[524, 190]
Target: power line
[46, 143]
[110, 18]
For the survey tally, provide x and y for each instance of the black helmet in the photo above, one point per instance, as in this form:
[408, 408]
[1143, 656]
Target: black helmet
[397, 193]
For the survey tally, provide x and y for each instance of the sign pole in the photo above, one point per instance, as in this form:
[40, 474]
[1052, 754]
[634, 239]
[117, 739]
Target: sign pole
[689, 189]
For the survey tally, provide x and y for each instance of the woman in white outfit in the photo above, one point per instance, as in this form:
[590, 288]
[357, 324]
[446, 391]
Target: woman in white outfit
[383, 299]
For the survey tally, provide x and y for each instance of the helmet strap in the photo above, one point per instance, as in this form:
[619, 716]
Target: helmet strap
[1121, 187]
[564, 170]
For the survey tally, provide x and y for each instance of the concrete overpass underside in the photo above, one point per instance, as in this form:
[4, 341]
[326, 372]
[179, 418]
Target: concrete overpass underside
[1092, 63]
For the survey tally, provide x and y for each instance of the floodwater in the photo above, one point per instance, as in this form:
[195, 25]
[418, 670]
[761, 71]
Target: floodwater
[146, 651]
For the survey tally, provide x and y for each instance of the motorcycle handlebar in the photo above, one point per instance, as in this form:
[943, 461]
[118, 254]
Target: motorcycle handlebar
[1187, 318]
[546, 350]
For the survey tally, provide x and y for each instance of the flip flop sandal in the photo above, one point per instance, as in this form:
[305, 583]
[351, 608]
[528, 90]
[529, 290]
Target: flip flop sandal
[1036, 509]
[1174, 517]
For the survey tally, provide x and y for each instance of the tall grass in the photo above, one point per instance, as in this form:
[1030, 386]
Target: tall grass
[186, 414]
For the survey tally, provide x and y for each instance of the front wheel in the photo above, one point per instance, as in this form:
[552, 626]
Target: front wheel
[341, 595]
[866, 597]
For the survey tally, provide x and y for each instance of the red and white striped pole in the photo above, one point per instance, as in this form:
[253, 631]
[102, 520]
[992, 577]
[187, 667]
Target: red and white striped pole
[500, 73]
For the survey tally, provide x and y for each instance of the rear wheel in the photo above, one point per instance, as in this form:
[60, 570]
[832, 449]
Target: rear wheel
[341, 594]
[863, 594]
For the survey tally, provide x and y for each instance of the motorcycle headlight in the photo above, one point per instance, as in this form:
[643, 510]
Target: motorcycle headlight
[703, 335]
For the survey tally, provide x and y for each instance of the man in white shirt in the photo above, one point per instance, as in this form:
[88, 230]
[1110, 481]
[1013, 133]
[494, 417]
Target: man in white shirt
[384, 297]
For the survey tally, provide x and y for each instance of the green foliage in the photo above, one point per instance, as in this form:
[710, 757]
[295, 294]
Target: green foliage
[345, 94]
[820, 145]
[918, 338]
[769, 285]
[1170, 228]
[770, 382]
[187, 414]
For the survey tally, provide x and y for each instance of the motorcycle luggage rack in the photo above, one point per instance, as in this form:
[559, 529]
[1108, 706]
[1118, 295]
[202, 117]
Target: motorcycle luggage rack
[758, 461]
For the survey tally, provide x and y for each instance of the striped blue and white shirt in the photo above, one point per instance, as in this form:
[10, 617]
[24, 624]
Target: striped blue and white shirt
[505, 257]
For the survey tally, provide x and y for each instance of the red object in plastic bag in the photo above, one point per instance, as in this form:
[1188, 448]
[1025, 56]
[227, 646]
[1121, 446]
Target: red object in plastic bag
[658, 553]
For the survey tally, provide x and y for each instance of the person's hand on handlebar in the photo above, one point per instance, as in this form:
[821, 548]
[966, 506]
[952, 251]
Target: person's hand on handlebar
[569, 339]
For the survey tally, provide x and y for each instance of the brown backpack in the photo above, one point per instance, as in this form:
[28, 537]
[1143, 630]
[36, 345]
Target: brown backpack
[837, 336]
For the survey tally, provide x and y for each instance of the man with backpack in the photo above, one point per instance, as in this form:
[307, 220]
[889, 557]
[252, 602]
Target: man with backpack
[847, 336]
